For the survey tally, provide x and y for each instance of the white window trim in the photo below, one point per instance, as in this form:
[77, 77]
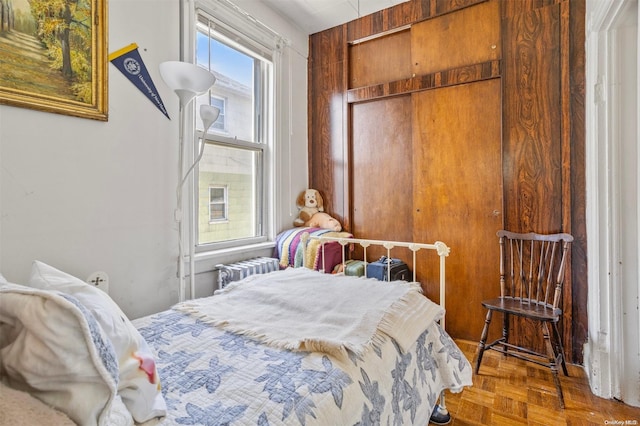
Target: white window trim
[268, 39]
[225, 202]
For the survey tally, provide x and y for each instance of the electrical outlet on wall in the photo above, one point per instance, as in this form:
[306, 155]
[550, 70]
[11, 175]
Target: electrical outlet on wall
[100, 280]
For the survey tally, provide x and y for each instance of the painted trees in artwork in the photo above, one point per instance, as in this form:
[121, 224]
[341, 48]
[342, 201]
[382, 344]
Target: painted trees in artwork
[7, 17]
[64, 27]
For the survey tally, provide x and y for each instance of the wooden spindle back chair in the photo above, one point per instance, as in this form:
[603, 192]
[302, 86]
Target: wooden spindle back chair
[532, 271]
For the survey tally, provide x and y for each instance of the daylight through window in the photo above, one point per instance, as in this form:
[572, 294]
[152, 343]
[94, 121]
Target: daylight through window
[231, 174]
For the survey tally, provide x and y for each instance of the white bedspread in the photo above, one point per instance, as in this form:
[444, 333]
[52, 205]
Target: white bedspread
[300, 309]
[214, 377]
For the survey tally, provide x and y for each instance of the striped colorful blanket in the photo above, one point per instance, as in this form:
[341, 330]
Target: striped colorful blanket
[291, 251]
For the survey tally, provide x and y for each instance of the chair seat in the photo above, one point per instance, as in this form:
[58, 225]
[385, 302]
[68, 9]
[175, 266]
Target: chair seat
[523, 308]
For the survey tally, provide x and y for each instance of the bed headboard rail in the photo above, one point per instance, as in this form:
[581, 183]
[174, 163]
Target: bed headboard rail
[441, 248]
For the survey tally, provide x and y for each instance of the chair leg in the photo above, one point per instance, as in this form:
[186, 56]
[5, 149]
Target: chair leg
[505, 332]
[552, 362]
[483, 339]
[559, 348]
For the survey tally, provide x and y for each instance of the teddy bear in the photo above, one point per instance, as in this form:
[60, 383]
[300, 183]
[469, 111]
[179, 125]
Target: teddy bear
[323, 220]
[309, 202]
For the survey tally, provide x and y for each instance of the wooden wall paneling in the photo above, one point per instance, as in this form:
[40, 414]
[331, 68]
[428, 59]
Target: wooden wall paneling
[380, 60]
[457, 194]
[402, 14]
[532, 117]
[327, 119]
[450, 77]
[565, 141]
[511, 8]
[327, 47]
[533, 143]
[381, 169]
[574, 118]
[385, 20]
[469, 36]
[541, 57]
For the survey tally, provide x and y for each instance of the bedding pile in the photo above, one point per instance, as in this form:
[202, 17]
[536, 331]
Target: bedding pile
[330, 316]
[292, 252]
[212, 375]
[69, 345]
[287, 351]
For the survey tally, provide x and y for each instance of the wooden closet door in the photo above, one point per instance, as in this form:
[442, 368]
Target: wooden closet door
[381, 169]
[457, 195]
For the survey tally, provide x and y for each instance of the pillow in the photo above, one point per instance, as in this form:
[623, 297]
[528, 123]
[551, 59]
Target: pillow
[139, 384]
[54, 349]
[3, 280]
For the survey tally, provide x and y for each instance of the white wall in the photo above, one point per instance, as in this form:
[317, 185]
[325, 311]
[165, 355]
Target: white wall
[85, 196]
[612, 352]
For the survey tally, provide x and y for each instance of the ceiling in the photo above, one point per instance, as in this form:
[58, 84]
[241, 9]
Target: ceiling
[312, 16]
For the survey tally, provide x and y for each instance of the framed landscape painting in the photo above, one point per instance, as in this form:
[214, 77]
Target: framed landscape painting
[53, 56]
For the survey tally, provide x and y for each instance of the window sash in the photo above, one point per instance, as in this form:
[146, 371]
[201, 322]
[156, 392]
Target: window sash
[259, 180]
[230, 26]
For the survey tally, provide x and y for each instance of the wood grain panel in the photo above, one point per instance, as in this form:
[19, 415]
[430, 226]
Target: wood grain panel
[386, 20]
[574, 119]
[381, 169]
[532, 117]
[533, 144]
[327, 121]
[327, 47]
[368, 66]
[326, 141]
[541, 63]
[458, 194]
[440, 7]
[469, 36]
[512, 8]
[466, 74]
[402, 14]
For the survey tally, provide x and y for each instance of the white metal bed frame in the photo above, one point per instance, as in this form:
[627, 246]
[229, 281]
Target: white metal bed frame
[440, 414]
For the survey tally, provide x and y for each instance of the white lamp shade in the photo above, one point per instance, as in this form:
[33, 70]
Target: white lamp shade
[209, 114]
[186, 79]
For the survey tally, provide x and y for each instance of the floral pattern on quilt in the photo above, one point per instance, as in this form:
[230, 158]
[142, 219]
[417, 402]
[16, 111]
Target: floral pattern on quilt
[214, 377]
[101, 343]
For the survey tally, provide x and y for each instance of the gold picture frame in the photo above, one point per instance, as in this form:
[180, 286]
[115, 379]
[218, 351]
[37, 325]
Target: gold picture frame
[54, 56]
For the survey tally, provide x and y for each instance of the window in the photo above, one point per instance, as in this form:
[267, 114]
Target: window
[234, 170]
[221, 104]
[217, 204]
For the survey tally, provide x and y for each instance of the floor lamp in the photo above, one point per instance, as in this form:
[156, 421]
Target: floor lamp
[187, 80]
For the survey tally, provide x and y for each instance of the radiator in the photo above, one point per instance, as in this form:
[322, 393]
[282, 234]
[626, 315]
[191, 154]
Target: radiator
[239, 270]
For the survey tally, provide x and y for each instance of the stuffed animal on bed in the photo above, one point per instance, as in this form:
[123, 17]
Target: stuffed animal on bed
[309, 202]
[324, 220]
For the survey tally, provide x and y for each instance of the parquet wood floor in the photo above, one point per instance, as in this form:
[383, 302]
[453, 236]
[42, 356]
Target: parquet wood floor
[510, 391]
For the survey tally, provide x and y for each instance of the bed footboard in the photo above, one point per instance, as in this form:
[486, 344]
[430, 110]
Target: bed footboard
[441, 249]
[440, 414]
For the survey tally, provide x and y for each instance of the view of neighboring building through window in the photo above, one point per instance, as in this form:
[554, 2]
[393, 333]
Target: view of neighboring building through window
[217, 203]
[231, 172]
[221, 104]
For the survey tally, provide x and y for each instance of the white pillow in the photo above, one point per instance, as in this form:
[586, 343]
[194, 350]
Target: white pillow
[139, 384]
[54, 349]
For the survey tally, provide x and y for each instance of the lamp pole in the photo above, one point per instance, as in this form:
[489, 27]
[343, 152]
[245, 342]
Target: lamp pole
[187, 80]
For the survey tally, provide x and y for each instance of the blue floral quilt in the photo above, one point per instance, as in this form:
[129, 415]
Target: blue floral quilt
[213, 377]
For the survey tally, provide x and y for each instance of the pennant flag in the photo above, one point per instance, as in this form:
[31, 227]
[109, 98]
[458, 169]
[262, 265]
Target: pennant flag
[129, 62]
